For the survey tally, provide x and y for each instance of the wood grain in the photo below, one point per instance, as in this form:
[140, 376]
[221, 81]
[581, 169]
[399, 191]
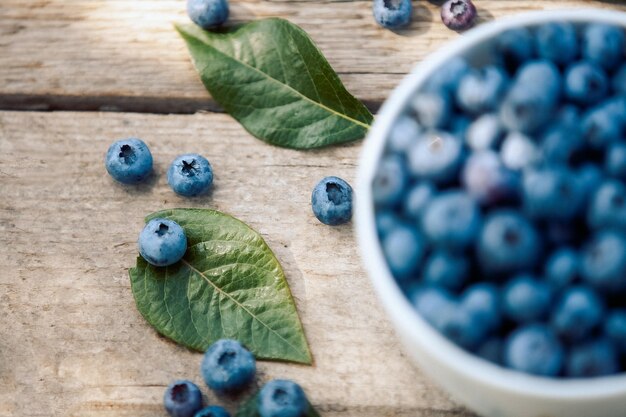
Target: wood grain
[125, 55]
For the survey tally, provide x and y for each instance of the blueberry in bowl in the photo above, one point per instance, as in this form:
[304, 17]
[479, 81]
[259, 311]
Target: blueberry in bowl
[500, 251]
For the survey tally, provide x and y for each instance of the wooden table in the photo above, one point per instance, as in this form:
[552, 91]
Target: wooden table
[71, 340]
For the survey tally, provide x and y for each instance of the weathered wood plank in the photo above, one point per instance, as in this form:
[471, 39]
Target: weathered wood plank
[72, 342]
[118, 54]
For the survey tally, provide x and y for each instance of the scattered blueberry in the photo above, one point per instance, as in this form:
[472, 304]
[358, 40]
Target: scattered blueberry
[403, 247]
[481, 90]
[162, 242]
[208, 14]
[604, 261]
[190, 175]
[451, 220]
[603, 45]
[212, 411]
[446, 270]
[182, 399]
[458, 14]
[129, 161]
[578, 312]
[390, 181]
[332, 201]
[595, 358]
[227, 366]
[436, 157]
[534, 349]
[282, 398]
[558, 42]
[526, 299]
[392, 14]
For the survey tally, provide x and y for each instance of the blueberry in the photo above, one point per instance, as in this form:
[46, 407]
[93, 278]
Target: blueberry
[129, 161]
[604, 261]
[600, 126]
[562, 268]
[386, 221]
[431, 302]
[596, 358]
[432, 109]
[462, 327]
[208, 14]
[589, 178]
[390, 181]
[514, 47]
[446, 270]
[518, 151]
[417, 198]
[487, 180]
[162, 242]
[212, 411]
[508, 243]
[392, 14]
[615, 163]
[448, 76]
[615, 328]
[458, 14]
[331, 201]
[484, 133]
[403, 248]
[534, 349]
[557, 42]
[481, 90]
[561, 144]
[459, 126]
[451, 220]
[436, 157]
[483, 301]
[492, 350]
[552, 194]
[182, 399]
[404, 132]
[586, 83]
[577, 313]
[190, 175]
[603, 45]
[227, 366]
[619, 80]
[282, 398]
[526, 299]
[608, 206]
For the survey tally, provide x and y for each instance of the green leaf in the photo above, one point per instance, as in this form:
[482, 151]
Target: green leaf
[270, 76]
[249, 409]
[228, 285]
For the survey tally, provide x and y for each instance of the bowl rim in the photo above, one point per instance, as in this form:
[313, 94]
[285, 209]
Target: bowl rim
[406, 319]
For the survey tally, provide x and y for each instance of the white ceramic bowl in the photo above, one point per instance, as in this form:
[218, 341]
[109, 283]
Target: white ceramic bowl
[488, 389]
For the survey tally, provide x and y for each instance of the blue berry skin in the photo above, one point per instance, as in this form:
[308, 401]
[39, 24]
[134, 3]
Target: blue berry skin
[596, 358]
[190, 175]
[331, 201]
[212, 411]
[432, 109]
[618, 83]
[603, 45]
[451, 220]
[418, 198]
[526, 299]
[404, 248]
[390, 181]
[483, 301]
[227, 366]
[162, 242]
[484, 133]
[615, 163]
[615, 328]
[561, 143]
[446, 270]
[282, 398]
[608, 206]
[487, 180]
[481, 90]
[600, 126]
[586, 83]
[436, 157]
[519, 151]
[552, 194]
[534, 349]
[448, 77]
[392, 14]
[514, 47]
[577, 313]
[557, 42]
[604, 262]
[431, 302]
[208, 14]
[386, 221]
[405, 131]
[562, 268]
[508, 243]
[129, 161]
[182, 399]
[462, 327]
[492, 350]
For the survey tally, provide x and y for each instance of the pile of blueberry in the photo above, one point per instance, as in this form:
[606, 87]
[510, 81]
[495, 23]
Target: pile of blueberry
[228, 368]
[501, 201]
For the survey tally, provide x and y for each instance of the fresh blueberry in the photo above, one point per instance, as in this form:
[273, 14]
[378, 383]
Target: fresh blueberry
[604, 261]
[208, 14]
[404, 132]
[386, 221]
[417, 198]
[508, 243]
[392, 14]
[615, 328]
[486, 132]
[462, 327]
[514, 47]
[608, 206]
[619, 80]
[577, 313]
[519, 151]
[448, 77]
[190, 175]
[481, 90]
[432, 109]
[212, 411]
[282, 398]
[431, 302]
[568, 115]
[552, 194]
[615, 163]
[600, 126]
[526, 299]
[487, 180]
[483, 301]
[390, 181]
[492, 350]
[451, 220]
[562, 268]
[182, 399]
[458, 14]
[586, 83]
[589, 178]
[162, 242]
[534, 349]
[403, 248]
[561, 144]
[557, 42]
[227, 366]
[596, 358]
[331, 201]
[129, 161]
[446, 270]
[603, 45]
[436, 157]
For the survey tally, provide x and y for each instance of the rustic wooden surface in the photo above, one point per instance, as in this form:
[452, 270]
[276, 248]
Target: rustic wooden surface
[71, 341]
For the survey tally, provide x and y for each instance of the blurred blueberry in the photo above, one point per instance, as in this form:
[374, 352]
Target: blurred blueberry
[615, 328]
[445, 270]
[534, 349]
[552, 194]
[596, 358]
[458, 14]
[462, 327]
[403, 248]
[603, 45]
[389, 181]
[526, 299]
[589, 179]
[432, 109]
[417, 198]
[562, 268]
[431, 303]
[331, 201]
[436, 157]
[182, 398]
[608, 206]
[577, 313]
[604, 261]
[404, 133]
[459, 125]
[585, 83]
[448, 76]
[208, 14]
[514, 47]
[487, 180]
[481, 90]
[486, 132]
[483, 300]
[492, 350]
[519, 151]
[561, 143]
[557, 42]
[451, 220]
[568, 115]
[619, 80]
[386, 220]
[615, 163]
[601, 126]
[392, 14]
